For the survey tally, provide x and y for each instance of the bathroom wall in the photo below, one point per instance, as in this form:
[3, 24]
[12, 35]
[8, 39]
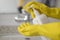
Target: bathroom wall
[8, 6]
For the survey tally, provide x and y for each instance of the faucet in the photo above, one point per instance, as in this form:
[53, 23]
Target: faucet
[24, 16]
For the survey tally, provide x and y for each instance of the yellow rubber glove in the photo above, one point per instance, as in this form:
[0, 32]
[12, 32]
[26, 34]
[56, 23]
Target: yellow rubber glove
[39, 18]
[50, 12]
[50, 30]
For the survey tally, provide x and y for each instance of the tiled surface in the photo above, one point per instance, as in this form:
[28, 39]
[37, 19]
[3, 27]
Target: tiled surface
[10, 33]
[18, 37]
[10, 37]
[8, 30]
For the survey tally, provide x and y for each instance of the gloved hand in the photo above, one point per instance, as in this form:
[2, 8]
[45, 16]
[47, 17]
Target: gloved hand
[39, 18]
[42, 8]
[50, 30]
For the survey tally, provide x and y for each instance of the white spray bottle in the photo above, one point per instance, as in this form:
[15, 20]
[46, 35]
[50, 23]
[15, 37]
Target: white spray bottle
[39, 18]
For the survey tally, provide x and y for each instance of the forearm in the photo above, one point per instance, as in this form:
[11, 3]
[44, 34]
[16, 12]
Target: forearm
[20, 3]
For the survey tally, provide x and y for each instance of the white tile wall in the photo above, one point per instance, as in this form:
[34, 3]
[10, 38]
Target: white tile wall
[7, 6]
